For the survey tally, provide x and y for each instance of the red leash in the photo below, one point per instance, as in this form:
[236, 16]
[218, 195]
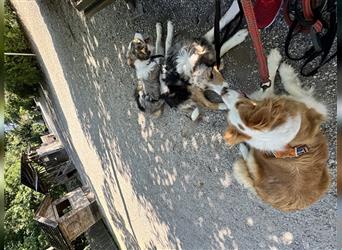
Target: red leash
[255, 35]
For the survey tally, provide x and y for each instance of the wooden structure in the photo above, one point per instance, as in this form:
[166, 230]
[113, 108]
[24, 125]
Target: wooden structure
[46, 220]
[67, 218]
[46, 165]
[91, 7]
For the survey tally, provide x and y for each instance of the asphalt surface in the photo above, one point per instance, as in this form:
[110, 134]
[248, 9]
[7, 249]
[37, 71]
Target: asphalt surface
[177, 170]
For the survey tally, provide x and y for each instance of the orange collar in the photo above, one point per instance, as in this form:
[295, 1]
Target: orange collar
[291, 152]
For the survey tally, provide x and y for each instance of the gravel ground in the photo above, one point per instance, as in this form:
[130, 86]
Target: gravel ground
[167, 182]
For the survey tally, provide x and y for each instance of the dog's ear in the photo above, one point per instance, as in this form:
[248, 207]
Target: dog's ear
[263, 115]
[233, 136]
[216, 76]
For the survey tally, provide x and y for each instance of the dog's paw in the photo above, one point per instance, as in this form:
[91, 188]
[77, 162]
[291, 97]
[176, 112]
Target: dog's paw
[222, 106]
[274, 58]
[157, 113]
[241, 35]
[169, 26]
[159, 29]
[240, 171]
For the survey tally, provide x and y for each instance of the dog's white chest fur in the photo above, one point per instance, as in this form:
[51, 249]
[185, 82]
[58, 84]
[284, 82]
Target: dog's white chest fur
[185, 62]
[144, 68]
[273, 140]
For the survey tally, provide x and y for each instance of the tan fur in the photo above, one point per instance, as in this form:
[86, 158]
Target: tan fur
[197, 95]
[287, 184]
[217, 76]
[266, 114]
[241, 174]
[339, 165]
[233, 136]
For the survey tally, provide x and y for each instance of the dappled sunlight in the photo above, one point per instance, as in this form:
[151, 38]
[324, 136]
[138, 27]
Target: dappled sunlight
[273, 248]
[163, 177]
[220, 237]
[146, 131]
[161, 183]
[250, 221]
[285, 238]
[194, 143]
[227, 180]
[273, 238]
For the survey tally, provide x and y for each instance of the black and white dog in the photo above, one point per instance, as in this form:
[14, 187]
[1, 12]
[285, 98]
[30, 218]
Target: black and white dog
[190, 65]
[187, 70]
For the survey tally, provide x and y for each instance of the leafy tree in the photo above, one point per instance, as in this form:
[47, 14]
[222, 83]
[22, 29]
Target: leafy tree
[21, 231]
[22, 72]
[23, 128]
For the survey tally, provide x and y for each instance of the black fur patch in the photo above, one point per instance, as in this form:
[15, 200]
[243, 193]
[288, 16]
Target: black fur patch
[177, 95]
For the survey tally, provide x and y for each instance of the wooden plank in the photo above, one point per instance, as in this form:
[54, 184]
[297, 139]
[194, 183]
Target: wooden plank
[77, 224]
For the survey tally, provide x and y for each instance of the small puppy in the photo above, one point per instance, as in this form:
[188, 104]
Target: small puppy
[190, 65]
[284, 153]
[147, 61]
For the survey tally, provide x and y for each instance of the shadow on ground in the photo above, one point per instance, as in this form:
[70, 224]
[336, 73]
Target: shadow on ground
[179, 171]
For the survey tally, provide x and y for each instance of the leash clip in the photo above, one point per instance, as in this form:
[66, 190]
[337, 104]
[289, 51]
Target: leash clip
[265, 85]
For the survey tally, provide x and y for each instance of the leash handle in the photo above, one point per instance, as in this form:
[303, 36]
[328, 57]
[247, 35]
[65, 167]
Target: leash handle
[217, 32]
[255, 35]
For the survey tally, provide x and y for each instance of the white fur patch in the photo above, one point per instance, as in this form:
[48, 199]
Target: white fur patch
[243, 150]
[293, 86]
[277, 138]
[185, 62]
[227, 18]
[169, 37]
[138, 36]
[163, 87]
[222, 106]
[195, 114]
[238, 38]
[144, 68]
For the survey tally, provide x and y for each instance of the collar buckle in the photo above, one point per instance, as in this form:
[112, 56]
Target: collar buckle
[291, 152]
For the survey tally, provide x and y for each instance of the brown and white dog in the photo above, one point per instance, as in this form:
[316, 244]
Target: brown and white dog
[284, 153]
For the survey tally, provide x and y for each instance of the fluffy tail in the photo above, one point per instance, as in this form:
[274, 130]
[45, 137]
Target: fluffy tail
[293, 86]
[291, 82]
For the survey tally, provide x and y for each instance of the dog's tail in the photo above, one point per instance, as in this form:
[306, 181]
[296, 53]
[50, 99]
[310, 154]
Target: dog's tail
[242, 175]
[293, 86]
